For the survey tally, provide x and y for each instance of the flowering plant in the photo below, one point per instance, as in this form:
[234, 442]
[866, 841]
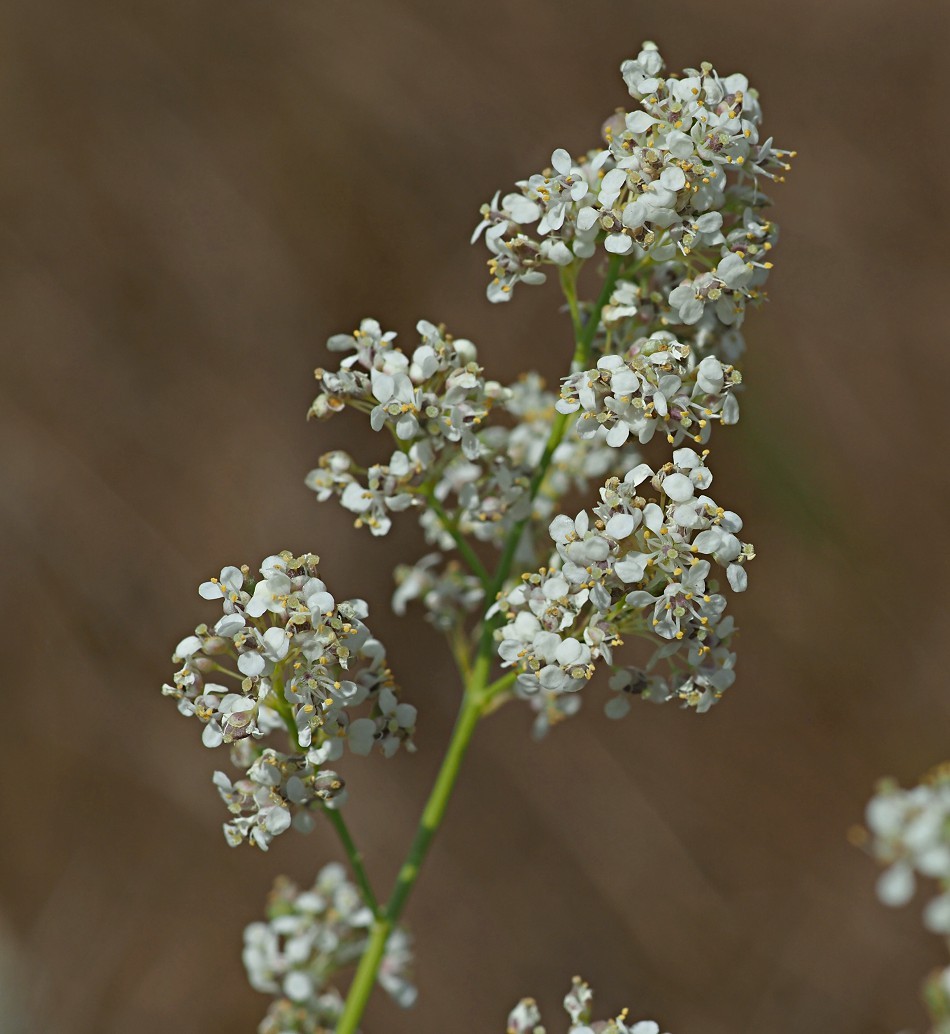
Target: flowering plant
[668, 214]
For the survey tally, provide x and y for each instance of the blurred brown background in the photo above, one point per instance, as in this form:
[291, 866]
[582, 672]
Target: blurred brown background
[195, 194]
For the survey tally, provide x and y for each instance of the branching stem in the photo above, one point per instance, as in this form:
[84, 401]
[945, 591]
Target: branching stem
[479, 691]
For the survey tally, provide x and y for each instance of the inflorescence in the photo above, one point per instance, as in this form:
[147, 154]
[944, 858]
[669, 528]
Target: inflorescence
[675, 198]
[291, 660]
[290, 679]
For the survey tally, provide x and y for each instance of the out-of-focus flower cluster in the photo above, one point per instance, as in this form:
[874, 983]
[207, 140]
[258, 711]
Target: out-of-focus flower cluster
[910, 836]
[678, 183]
[286, 658]
[639, 567]
[525, 1018]
[309, 937]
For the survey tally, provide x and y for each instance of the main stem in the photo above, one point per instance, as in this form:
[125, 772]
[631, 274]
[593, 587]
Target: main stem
[478, 692]
[471, 710]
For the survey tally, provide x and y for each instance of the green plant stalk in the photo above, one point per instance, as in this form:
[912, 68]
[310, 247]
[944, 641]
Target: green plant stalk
[355, 857]
[584, 339]
[478, 693]
[353, 854]
[468, 717]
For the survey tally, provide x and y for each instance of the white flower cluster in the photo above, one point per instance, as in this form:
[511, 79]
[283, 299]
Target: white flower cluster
[492, 494]
[311, 935]
[678, 181]
[436, 397]
[437, 405]
[640, 568]
[438, 394]
[639, 308]
[910, 832]
[292, 659]
[464, 472]
[675, 198]
[656, 384]
[525, 1018]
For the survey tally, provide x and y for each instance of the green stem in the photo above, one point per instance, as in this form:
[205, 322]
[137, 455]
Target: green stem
[365, 978]
[353, 853]
[569, 289]
[355, 857]
[434, 812]
[584, 339]
[499, 685]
